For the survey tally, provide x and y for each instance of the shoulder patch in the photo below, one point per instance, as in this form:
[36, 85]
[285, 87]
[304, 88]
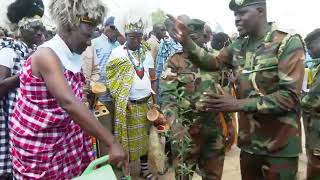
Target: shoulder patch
[285, 40]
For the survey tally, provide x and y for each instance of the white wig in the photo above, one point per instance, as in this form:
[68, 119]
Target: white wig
[67, 13]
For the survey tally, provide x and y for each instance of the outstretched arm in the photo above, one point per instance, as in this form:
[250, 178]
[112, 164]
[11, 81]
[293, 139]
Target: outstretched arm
[204, 59]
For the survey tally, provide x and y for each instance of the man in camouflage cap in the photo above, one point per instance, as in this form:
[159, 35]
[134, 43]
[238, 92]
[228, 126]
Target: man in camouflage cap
[197, 136]
[236, 5]
[268, 67]
[311, 106]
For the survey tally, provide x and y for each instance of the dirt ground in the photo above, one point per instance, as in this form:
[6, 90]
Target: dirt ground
[231, 167]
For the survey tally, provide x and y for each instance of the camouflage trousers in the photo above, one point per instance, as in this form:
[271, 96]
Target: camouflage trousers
[312, 132]
[313, 167]
[263, 167]
[207, 150]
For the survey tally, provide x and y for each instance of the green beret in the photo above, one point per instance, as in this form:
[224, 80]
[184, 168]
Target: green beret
[235, 5]
[196, 26]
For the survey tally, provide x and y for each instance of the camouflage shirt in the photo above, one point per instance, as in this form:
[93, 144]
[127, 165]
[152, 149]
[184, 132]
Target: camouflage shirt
[181, 87]
[311, 106]
[269, 74]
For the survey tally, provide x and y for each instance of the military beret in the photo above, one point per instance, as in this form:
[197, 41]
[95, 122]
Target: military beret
[314, 35]
[196, 26]
[235, 5]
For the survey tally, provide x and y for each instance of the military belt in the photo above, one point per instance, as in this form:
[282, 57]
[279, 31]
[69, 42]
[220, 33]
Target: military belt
[258, 70]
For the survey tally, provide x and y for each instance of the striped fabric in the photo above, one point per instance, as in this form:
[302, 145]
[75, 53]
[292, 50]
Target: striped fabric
[46, 142]
[130, 126]
[167, 48]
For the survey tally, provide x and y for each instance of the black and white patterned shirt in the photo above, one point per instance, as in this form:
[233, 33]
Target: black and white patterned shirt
[16, 53]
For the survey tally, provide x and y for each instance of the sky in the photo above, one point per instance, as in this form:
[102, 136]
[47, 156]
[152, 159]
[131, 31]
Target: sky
[300, 15]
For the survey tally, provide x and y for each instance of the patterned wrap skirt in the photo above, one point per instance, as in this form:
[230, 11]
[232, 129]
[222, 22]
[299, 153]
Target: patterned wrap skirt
[138, 128]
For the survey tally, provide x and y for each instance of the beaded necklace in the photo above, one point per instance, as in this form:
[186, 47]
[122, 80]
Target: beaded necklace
[137, 67]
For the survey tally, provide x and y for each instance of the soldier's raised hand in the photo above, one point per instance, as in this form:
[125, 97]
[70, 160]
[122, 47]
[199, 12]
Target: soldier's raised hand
[180, 31]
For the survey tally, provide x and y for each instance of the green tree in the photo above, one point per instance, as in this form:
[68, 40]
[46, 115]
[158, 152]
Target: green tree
[158, 17]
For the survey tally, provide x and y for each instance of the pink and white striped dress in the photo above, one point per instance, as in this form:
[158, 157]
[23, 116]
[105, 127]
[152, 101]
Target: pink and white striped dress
[46, 142]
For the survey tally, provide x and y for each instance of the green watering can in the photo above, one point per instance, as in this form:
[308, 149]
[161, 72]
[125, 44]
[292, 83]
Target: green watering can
[102, 173]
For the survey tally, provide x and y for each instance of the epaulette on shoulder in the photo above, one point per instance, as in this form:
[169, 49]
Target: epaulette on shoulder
[284, 36]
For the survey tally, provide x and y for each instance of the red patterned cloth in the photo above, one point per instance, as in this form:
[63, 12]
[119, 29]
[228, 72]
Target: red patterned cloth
[46, 142]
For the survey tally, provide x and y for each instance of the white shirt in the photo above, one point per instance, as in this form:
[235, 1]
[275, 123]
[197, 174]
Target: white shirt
[6, 57]
[70, 61]
[141, 88]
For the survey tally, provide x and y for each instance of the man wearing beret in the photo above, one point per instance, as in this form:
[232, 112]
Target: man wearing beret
[311, 107]
[268, 64]
[197, 136]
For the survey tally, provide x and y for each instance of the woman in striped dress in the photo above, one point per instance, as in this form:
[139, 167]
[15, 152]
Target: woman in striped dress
[13, 53]
[50, 126]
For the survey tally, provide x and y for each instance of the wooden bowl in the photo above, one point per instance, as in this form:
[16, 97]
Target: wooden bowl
[162, 128]
[98, 88]
[153, 114]
[161, 120]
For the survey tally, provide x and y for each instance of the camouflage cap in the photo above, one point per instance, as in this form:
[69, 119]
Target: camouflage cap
[237, 4]
[196, 26]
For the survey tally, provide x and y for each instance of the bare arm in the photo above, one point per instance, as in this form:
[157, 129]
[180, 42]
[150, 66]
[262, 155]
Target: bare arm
[46, 65]
[7, 83]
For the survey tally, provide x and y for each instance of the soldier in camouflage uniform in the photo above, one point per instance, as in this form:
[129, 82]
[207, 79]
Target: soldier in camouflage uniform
[268, 64]
[311, 106]
[201, 141]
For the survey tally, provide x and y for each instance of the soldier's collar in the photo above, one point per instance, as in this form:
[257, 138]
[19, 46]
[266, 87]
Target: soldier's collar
[268, 35]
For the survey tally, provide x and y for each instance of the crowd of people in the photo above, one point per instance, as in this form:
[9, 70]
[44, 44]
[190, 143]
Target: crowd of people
[211, 90]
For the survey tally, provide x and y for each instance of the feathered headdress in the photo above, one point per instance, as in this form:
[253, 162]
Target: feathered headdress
[135, 16]
[68, 13]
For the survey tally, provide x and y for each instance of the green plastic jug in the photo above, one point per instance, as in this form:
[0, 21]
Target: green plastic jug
[104, 172]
